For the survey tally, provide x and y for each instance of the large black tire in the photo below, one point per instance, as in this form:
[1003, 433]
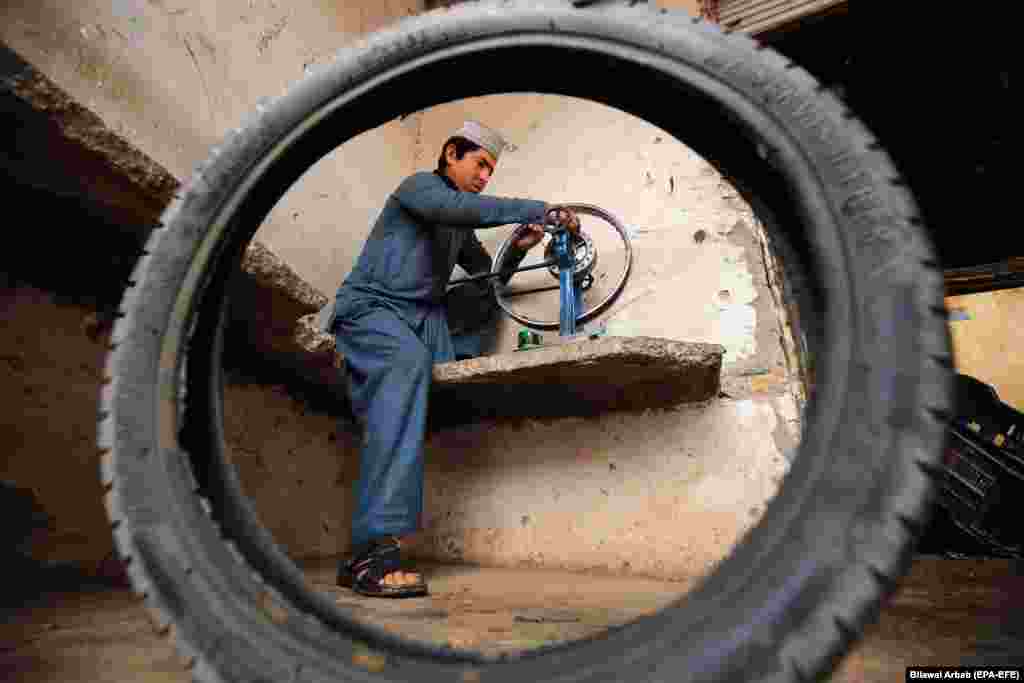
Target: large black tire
[796, 590]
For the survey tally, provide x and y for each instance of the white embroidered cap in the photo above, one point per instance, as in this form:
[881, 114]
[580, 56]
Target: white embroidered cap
[489, 139]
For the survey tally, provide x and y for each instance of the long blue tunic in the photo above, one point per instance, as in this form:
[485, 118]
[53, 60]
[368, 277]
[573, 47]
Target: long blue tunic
[390, 326]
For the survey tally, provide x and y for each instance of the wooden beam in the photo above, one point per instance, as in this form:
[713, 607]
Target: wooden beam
[1007, 274]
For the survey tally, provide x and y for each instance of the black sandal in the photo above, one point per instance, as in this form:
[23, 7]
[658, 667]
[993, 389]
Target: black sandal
[363, 573]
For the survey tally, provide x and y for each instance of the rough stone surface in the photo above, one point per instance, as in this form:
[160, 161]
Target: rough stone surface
[311, 339]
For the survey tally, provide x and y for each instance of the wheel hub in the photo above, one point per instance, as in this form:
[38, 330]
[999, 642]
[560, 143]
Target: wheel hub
[584, 255]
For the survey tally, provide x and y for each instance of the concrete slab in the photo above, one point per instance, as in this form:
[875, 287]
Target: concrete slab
[587, 377]
[581, 378]
[56, 129]
[262, 341]
[130, 191]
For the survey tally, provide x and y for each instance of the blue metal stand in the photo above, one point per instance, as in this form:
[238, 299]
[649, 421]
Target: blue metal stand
[571, 296]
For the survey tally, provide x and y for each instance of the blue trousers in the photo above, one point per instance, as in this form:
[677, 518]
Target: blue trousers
[389, 366]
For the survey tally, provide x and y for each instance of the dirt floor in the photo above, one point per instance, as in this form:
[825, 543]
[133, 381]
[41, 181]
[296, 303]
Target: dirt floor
[499, 611]
[935, 618]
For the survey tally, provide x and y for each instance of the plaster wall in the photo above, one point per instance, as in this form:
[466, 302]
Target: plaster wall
[49, 381]
[691, 6]
[294, 464]
[987, 340]
[664, 494]
[693, 277]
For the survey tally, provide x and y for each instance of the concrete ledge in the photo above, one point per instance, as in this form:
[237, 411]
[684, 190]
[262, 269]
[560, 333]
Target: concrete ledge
[582, 378]
[75, 170]
[264, 342]
[55, 129]
[267, 298]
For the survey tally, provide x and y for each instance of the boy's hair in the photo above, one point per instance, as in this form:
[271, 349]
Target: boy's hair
[462, 146]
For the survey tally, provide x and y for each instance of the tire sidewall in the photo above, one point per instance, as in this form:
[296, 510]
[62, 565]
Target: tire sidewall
[840, 519]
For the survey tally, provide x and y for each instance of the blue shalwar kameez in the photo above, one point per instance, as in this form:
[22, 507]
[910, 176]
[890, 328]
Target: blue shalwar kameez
[390, 326]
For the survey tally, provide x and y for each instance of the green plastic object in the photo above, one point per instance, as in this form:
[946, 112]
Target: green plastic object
[528, 339]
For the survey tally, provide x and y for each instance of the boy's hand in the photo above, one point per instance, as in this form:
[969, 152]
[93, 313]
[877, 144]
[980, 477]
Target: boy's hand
[566, 218]
[530, 236]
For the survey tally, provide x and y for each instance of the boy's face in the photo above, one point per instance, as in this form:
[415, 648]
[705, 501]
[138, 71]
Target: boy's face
[472, 171]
